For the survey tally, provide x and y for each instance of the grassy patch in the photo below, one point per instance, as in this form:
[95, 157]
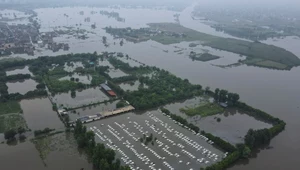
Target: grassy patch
[43, 146]
[271, 64]
[10, 107]
[203, 57]
[264, 63]
[12, 121]
[203, 110]
[58, 141]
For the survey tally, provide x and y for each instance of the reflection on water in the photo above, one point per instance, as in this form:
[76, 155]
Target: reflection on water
[21, 87]
[39, 115]
[83, 97]
[18, 70]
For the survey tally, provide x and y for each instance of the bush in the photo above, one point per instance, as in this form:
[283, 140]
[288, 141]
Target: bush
[10, 134]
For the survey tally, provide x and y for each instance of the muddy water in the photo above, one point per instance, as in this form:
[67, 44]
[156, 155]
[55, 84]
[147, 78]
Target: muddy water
[25, 153]
[130, 86]
[233, 126]
[83, 97]
[21, 87]
[115, 73]
[276, 92]
[18, 70]
[39, 115]
[85, 79]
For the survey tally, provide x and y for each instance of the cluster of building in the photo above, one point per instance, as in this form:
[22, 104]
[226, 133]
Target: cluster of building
[17, 39]
[21, 39]
[108, 90]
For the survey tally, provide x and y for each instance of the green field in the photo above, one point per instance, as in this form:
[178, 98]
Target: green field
[203, 110]
[204, 57]
[265, 63]
[10, 107]
[249, 49]
[11, 121]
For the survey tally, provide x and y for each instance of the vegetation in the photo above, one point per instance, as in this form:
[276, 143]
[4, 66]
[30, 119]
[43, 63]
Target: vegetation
[121, 104]
[225, 97]
[102, 158]
[42, 132]
[265, 63]
[163, 88]
[208, 109]
[12, 121]
[203, 57]
[218, 141]
[10, 107]
[249, 49]
[15, 77]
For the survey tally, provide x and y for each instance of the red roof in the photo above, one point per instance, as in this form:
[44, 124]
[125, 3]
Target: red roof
[112, 93]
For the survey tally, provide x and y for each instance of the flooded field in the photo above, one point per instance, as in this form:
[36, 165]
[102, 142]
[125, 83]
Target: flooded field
[21, 87]
[130, 86]
[115, 73]
[232, 127]
[174, 146]
[266, 89]
[85, 79]
[39, 115]
[83, 97]
[61, 153]
[18, 70]
[72, 66]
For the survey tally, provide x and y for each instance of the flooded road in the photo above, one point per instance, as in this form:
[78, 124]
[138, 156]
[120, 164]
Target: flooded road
[276, 92]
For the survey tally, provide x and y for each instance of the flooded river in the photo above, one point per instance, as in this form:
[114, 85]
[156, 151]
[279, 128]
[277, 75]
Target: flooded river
[276, 92]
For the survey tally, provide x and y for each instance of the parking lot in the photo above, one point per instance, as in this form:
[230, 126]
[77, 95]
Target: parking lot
[171, 146]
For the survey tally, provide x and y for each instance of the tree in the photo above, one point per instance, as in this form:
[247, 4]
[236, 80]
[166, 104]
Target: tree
[207, 89]
[216, 95]
[21, 130]
[10, 134]
[72, 79]
[235, 98]
[73, 93]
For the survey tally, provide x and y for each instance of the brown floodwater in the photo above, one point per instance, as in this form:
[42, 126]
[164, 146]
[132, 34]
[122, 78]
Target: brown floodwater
[274, 91]
[21, 87]
[39, 115]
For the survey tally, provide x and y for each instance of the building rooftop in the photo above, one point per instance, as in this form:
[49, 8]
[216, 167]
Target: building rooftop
[105, 87]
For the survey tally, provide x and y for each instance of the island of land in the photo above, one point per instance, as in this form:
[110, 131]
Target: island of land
[171, 33]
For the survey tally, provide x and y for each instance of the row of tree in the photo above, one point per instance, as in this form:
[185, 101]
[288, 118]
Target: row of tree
[15, 77]
[218, 141]
[102, 158]
[226, 97]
